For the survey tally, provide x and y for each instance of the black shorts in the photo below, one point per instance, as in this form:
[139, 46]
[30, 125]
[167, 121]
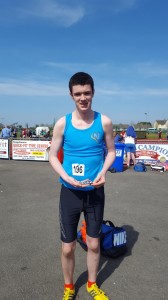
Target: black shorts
[72, 204]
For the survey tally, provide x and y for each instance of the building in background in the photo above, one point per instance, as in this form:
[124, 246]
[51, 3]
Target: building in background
[161, 124]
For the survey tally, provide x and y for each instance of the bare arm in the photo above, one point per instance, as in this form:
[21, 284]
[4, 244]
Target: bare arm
[109, 141]
[56, 144]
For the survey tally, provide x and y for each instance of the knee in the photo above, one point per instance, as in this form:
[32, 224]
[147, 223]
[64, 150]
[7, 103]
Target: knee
[68, 249]
[93, 244]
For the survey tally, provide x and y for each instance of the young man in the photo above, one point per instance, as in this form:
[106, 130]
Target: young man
[82, 174]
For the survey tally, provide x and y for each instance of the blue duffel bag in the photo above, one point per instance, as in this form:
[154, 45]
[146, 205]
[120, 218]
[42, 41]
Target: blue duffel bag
[140, 167]
[113, 240]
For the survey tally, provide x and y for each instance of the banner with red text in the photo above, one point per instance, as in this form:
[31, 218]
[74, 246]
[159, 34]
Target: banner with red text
[4, 148]
[152, 153]
[30, 150]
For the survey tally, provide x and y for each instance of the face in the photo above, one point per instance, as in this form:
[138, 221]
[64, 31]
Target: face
[82, 95]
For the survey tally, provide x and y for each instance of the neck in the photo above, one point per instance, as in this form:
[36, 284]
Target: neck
[84, 115]
[82, 120]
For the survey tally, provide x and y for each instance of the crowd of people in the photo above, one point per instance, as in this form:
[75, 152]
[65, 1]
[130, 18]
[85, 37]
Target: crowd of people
[8, 132]
[12, 132]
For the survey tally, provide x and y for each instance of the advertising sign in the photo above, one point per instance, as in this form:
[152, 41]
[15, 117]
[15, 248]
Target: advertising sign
[30, 150]
[4, 148]
[152, 153]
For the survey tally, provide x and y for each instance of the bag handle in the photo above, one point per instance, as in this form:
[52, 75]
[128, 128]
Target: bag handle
[108, 222]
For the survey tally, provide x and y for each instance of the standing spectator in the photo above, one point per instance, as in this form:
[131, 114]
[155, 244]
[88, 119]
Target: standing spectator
[21, 134]
[123, 133]
[118, 137]
[14, 134]
[160, 134]
[6, 132]
[24, 133]
[130, 149]
[29, 133]
[167, 134]
[47, 135]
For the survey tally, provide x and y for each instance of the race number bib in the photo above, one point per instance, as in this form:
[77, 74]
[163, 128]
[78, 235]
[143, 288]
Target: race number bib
[78, 169]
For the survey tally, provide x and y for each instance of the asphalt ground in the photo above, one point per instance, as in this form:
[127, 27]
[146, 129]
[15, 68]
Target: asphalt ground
[30, 267]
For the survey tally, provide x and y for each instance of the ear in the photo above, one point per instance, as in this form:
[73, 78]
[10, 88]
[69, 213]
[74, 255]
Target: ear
[71, 95]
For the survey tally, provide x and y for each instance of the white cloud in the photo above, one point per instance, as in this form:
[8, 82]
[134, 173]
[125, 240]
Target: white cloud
[52, 10]
[60, 12]
[155, 92]
[151, 69]
[34, 88]
[63, 66]
[30, 88]
[133, 92]
[145, 69]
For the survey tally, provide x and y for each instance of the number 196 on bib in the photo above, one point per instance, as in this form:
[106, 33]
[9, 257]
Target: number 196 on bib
[78, 169]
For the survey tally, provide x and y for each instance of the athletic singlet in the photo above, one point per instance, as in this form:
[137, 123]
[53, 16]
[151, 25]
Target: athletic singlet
[83, 151]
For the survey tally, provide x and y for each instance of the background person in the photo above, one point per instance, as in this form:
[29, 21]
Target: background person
[118, 137]
[29, 133]
[130, 149]
[123, 133]
[6, 132]
[82, 134]
[14, 133]
[24, 133]
[160, 134]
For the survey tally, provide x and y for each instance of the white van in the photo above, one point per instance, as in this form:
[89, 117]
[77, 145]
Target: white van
[152, 130]
[41, 131]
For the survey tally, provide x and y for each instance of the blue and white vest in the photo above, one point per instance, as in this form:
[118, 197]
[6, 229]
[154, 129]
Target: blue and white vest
[83, 151]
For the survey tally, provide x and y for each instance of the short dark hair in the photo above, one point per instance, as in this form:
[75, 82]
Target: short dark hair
[81, 78]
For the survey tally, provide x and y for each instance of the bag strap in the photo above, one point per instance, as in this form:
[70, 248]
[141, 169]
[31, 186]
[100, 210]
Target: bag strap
[111, 224]
[108, 222]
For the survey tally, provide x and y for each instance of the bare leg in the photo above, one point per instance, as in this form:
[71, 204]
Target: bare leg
[93, 257]
[133, 158]
[68, 261]
[128, 158]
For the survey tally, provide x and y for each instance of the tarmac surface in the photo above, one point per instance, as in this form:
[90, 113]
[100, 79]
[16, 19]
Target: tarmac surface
[30, 267]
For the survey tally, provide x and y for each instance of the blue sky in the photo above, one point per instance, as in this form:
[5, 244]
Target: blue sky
[123, 44]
